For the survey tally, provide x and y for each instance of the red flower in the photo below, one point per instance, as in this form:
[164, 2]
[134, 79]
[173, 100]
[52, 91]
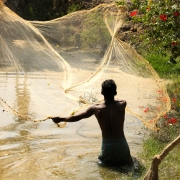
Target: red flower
[169, 121]
[133, 13]
[159, 91]
[163, 98]
[163, 17]
[165, 116]
[174, 43]
[174, 100]
[176, 13]
[172, 121]
[146, 110]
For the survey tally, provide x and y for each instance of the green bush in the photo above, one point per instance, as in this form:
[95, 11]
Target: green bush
[161, 21]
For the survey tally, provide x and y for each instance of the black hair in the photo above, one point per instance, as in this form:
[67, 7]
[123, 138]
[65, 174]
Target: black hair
[108, 88]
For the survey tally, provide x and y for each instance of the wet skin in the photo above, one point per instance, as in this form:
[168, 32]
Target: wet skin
[110, 116]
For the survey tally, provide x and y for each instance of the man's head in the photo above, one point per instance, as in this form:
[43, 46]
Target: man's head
[108, 88]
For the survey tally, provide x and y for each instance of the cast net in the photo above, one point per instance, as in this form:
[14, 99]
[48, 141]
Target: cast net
[57, 67]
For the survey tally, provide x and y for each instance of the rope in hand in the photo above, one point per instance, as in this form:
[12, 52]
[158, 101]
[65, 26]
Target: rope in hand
[10, 109]
[88, 98]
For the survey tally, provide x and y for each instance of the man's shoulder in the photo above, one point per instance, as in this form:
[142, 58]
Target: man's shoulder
[97, 106]
[94, 108]
[122, 102]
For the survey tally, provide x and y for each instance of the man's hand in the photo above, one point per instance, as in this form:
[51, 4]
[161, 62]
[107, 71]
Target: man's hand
[56, 119]
[85, 114]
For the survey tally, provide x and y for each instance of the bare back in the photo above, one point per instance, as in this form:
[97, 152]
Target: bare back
[110, 117]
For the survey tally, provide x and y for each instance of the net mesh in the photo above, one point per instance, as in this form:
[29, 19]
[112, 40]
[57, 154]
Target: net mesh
[56, 67]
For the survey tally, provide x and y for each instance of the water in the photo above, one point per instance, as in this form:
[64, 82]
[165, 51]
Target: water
[31, 150]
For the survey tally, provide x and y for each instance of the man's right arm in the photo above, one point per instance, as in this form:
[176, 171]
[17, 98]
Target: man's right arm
[85, 114]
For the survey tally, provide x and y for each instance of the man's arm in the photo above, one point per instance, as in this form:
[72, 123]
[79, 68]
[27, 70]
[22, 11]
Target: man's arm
[85, 114]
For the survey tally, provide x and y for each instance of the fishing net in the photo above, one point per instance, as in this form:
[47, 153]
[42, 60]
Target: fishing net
[56, 67]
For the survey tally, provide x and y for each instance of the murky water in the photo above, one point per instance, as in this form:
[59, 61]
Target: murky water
[32, 151]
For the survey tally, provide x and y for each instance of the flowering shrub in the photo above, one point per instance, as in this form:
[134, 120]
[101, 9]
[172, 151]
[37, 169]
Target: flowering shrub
[133, 13]
[169, 123]
[161, 19]
[172, 121]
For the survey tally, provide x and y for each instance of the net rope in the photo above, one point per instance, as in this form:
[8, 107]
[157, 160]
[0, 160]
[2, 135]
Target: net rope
[58, 66]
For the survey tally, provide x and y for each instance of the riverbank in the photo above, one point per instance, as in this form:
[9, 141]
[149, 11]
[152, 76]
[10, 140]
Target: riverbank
[168, 124]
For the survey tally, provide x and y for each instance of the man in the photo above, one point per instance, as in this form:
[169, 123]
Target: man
[110, 116]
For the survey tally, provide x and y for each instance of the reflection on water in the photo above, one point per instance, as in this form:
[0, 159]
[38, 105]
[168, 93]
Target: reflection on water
[41, 150]
[22, 96]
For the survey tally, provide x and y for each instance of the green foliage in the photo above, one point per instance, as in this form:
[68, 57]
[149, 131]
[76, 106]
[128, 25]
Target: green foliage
[46, 9]
[161, 19]
[95, 33]
[136, 4]
[37, 10]
[120, 2]
[174, 93]
[151, 147]
[169, 125]
[164, 68]
[73, 7]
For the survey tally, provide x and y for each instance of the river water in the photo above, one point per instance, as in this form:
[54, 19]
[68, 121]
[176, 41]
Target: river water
[31, 150]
